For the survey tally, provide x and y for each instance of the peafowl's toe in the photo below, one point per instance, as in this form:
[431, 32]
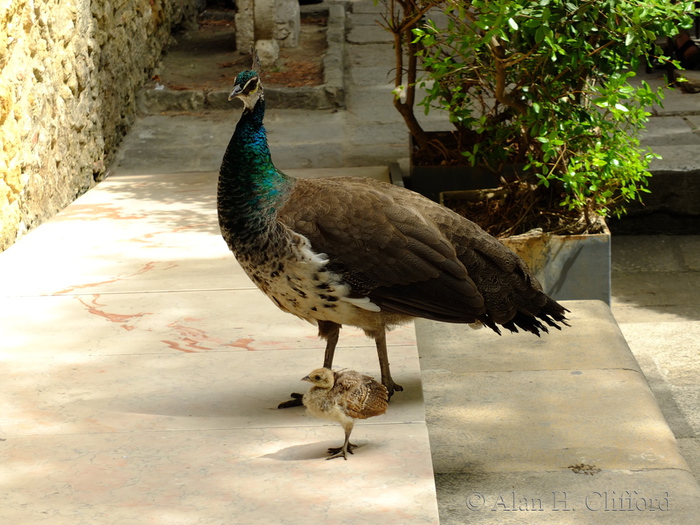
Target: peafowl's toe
[296, 401]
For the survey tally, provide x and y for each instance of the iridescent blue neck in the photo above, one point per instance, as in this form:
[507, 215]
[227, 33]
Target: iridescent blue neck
[250, 189]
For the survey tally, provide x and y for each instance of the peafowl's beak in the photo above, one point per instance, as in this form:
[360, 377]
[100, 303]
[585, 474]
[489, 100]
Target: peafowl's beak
[237, 90]
[306, 378]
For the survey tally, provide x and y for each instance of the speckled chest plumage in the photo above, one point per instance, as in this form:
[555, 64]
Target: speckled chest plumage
[298, 281]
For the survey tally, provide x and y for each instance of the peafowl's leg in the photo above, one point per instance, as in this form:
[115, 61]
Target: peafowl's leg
[338, 452]
[330, 332]
[387, 381]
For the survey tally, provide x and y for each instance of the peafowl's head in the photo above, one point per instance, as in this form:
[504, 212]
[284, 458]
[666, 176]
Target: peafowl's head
[248, 88]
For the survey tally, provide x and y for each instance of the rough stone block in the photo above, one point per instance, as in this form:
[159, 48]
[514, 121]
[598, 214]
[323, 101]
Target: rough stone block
[268, 52]
[245, 26]
[287, 23]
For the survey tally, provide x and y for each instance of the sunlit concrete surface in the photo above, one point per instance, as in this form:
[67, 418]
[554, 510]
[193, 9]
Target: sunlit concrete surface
[142, 369]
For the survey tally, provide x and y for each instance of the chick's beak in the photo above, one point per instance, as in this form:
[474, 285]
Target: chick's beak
[306, 378]
[237, 90]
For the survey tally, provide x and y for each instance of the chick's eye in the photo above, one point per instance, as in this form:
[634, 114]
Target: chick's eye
[317, 377]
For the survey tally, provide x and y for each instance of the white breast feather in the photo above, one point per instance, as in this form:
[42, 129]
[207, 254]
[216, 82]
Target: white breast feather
[363, 302]
[308, 290]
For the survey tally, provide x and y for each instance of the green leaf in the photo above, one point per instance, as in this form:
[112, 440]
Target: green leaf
[540, 34]
[513, 24]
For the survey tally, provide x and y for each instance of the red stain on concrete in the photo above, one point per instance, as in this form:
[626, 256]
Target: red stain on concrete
[176, 346]
[96, 308]
[147, 238]
[146, 268]
[95, 212]
[242, 343]
[193, 339]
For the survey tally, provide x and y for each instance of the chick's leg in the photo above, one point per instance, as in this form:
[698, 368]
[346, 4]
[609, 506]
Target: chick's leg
[338, 452]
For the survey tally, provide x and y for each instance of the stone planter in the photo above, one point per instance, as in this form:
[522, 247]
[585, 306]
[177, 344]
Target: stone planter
[430, 181]
[569, 267]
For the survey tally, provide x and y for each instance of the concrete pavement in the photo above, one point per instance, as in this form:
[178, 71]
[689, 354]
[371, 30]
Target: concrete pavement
[142, 371]
[656, 301]
[107, 381]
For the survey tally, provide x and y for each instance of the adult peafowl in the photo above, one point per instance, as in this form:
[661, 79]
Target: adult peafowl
[359, 252]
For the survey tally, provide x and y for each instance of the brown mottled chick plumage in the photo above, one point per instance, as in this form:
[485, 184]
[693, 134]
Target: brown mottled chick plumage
[343, 397]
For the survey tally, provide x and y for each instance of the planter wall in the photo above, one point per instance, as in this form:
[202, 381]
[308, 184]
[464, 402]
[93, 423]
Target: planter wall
[431, 180]
[569, 267]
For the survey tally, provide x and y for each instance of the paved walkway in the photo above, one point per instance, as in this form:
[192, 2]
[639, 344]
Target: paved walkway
[143, 366]
[142, 371]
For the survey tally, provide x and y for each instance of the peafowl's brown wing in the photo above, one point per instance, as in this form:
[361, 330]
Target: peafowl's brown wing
[412, 256]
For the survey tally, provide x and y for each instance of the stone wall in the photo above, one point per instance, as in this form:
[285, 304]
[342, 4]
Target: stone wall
[69, 71]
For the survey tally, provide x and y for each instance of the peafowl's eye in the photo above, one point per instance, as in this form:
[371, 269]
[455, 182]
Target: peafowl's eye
[317, 377]
[250, 86]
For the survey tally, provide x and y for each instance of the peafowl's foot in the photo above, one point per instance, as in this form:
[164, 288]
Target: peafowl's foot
[294, 402]
[392, 387]
[340, 452]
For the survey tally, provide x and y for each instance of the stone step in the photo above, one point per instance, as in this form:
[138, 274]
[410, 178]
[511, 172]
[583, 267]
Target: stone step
[557, 429]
